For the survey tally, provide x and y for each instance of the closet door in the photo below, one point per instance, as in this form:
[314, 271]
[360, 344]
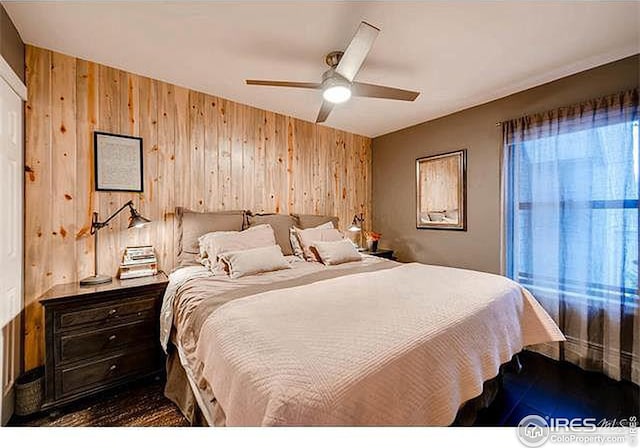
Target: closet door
[11, 242]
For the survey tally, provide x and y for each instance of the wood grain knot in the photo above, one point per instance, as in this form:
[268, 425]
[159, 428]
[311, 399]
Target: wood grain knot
[32, 174]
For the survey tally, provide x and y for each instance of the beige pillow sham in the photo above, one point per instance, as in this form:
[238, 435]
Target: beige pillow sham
[295, 240]
[309, 221]
[282, 224]
[254, 261]
[192, 225]
[336, 252]
[213, 244]
[308, 237]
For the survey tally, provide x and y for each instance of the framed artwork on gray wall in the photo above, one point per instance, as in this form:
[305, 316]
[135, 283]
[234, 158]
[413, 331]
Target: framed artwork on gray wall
[441, 191]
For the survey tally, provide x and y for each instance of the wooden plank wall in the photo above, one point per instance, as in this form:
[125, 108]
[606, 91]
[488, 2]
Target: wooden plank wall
[200, 151]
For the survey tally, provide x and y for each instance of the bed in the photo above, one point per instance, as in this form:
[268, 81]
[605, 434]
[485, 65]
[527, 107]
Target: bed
[370, 342]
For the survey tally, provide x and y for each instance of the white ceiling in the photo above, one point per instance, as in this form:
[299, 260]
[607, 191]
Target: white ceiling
[458, 54]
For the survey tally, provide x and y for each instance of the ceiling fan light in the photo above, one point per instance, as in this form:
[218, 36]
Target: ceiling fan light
[337, 94]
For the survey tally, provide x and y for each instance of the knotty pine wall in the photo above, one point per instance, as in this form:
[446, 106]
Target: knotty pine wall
[200, 151]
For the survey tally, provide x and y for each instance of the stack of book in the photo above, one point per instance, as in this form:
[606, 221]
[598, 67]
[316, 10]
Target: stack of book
[138, 261]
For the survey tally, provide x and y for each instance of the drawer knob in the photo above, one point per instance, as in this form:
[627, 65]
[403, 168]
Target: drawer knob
[112, 312]
[113, 367]
[112, 337]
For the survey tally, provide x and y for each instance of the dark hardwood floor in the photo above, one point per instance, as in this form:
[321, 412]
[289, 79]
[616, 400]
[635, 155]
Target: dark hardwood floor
[559, 389]
[140, 404]
[543, 387]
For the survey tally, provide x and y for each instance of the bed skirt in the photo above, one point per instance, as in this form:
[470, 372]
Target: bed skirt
[179, 391]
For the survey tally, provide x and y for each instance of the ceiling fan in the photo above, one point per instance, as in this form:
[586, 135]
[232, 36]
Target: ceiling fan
[337, 84]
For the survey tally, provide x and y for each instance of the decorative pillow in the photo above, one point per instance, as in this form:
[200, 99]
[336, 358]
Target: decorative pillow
[308, 237]
[254, 261]
[192, 225]
[309, 221]
[295, 241]
[212, 245]
[281, 225]
[336, 252]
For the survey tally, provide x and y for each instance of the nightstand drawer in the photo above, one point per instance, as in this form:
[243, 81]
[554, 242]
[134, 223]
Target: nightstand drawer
[107, 315]
[88, 344]
[76, 379]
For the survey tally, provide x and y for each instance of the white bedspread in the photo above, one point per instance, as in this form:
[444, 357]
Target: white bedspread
[403, 346]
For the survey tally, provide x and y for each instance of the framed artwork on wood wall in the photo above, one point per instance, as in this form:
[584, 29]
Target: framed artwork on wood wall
[441, 191]
[117, 162]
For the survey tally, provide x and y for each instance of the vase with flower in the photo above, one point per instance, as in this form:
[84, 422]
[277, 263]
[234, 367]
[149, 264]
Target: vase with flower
[372, 240]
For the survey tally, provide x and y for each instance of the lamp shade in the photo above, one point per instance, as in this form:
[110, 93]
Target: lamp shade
[356, 223]
[136, 219]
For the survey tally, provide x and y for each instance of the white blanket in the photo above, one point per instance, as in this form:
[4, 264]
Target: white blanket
[404, 346]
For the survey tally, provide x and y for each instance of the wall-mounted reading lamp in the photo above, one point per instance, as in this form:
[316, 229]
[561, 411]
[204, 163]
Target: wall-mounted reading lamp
[356, 224]
[135, 220]
[356, 227]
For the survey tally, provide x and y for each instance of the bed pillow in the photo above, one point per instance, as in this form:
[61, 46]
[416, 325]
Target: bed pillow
[281, 224]
[308, 237]
[214, 244]
[192, 225]
[336, 252]
[309, 221]
[254, 261]
[295, 240]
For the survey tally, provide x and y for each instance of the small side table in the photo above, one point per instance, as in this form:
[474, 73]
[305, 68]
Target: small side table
[101, 336]
[382, 253]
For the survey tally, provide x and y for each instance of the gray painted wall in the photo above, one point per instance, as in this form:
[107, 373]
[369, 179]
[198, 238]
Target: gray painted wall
[11, 45]
[394, 158]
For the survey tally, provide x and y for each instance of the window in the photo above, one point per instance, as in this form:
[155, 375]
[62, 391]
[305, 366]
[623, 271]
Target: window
[571, 182]
[574, 213]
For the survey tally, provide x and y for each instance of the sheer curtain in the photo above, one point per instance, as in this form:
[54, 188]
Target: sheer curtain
[571, 184]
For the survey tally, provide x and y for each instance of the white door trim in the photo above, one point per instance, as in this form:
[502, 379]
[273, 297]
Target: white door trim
[14, 93]
[16, 84]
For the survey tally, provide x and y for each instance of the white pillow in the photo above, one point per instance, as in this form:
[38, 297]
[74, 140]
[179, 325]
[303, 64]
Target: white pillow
[295, 241]
[336, 252]
[213, 244]
[308, 237]
[254, 261]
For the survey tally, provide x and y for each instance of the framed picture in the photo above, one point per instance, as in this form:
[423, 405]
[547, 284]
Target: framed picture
[441, 191]
[117, 162]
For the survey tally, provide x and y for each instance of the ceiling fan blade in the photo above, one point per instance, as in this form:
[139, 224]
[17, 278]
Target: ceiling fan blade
[301, 85]
[374, 91]
[325, 110]
[357, 51]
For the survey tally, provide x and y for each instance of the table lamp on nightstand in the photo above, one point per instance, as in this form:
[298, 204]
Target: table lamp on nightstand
[135, 220]
[356, 226]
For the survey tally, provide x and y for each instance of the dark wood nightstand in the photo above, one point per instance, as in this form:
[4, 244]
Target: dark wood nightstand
[382, 253]
[100, 336]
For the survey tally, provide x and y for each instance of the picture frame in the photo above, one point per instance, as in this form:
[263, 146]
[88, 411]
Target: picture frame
[441, 191]
[118, 162]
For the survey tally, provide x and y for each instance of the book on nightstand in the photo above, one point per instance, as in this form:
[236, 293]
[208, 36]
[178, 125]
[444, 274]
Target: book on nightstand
[138, 261]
